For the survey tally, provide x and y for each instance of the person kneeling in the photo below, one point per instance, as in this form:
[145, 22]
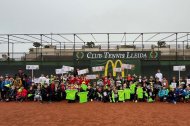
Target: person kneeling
[37, 95]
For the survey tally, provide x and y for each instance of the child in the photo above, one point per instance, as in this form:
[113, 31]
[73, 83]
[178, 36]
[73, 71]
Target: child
[21, 94]
[105, 94]
[31, 93]
[118, 85]
[90, 93]
[181, 93]
[150, 90]
[71, 95]
[139, 93]
[12, 94]
[114, 95]
[38, 94]
[46, 93]
[127, 92]
[63, 94]
[185, 94]
[4, 88]
[121, 95]
[157, 86]
[163, 94]
[133, 90]
[172, 96]
[24, 93]
[57, 92]
[99, 94]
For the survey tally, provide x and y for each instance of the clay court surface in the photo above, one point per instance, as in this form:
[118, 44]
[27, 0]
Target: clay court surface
[94, 114]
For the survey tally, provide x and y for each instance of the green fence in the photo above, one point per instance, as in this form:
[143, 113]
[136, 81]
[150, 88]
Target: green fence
[142, 67]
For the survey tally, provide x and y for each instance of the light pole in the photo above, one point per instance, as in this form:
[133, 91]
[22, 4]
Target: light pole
[60, 48]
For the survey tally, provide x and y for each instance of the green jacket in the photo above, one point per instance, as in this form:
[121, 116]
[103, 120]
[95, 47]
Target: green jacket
[139, 92]
[132, 87]
[127, 92]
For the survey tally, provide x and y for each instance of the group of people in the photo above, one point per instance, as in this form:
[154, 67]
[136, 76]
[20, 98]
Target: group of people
[72, 88]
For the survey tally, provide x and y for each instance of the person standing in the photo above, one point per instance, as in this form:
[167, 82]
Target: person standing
[159, 75]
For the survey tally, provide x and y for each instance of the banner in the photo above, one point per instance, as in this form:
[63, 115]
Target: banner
[98, 68]
[188, 81]
[32, 67]
[117, 55]
[60, 71]
[117, 70]
[178, 68]
[36, 80]
[127, 66]
[84, 71]
[67, 68]
[90, 77]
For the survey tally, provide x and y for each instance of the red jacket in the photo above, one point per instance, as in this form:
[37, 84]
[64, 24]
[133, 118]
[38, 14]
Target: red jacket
[129, 78]
[53, 87]
[72, 80]
[106, 81]
[24, 93]
[62, 87]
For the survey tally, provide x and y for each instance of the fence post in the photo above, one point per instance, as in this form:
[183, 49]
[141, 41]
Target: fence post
[8, 49]
[108, 42]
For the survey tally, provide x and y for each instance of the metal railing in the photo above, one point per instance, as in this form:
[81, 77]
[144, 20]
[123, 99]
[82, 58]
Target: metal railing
[19, 47]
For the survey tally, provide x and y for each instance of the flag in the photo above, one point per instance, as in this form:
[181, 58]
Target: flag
[139, 92]
[121, 94]
[127, 92]
[132, 87]
[70, 94]
[83, 97]
[84, 86]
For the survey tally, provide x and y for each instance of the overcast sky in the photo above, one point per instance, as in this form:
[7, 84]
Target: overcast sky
[88, 16]
[72, 16]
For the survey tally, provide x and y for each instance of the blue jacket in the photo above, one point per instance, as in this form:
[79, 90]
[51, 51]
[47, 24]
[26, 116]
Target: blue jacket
[185, 92]
[163, 92]
[1, 82]
[5, 82]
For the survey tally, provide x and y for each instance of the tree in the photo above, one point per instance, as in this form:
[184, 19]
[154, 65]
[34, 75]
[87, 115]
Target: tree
[90, 44]
[161, 44]
[37, 45]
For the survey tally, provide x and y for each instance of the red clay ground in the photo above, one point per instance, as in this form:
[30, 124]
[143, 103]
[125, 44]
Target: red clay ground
[94, 113]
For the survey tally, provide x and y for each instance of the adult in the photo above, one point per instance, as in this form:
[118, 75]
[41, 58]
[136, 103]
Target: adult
[159, 75]
[42, 79]
[22, 76]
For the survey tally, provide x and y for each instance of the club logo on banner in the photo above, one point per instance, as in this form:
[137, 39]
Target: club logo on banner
[154, 55]
[79, 55]
[98, 68]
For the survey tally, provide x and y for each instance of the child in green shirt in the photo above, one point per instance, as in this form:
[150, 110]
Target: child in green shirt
[139, 93]
[133, 90]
